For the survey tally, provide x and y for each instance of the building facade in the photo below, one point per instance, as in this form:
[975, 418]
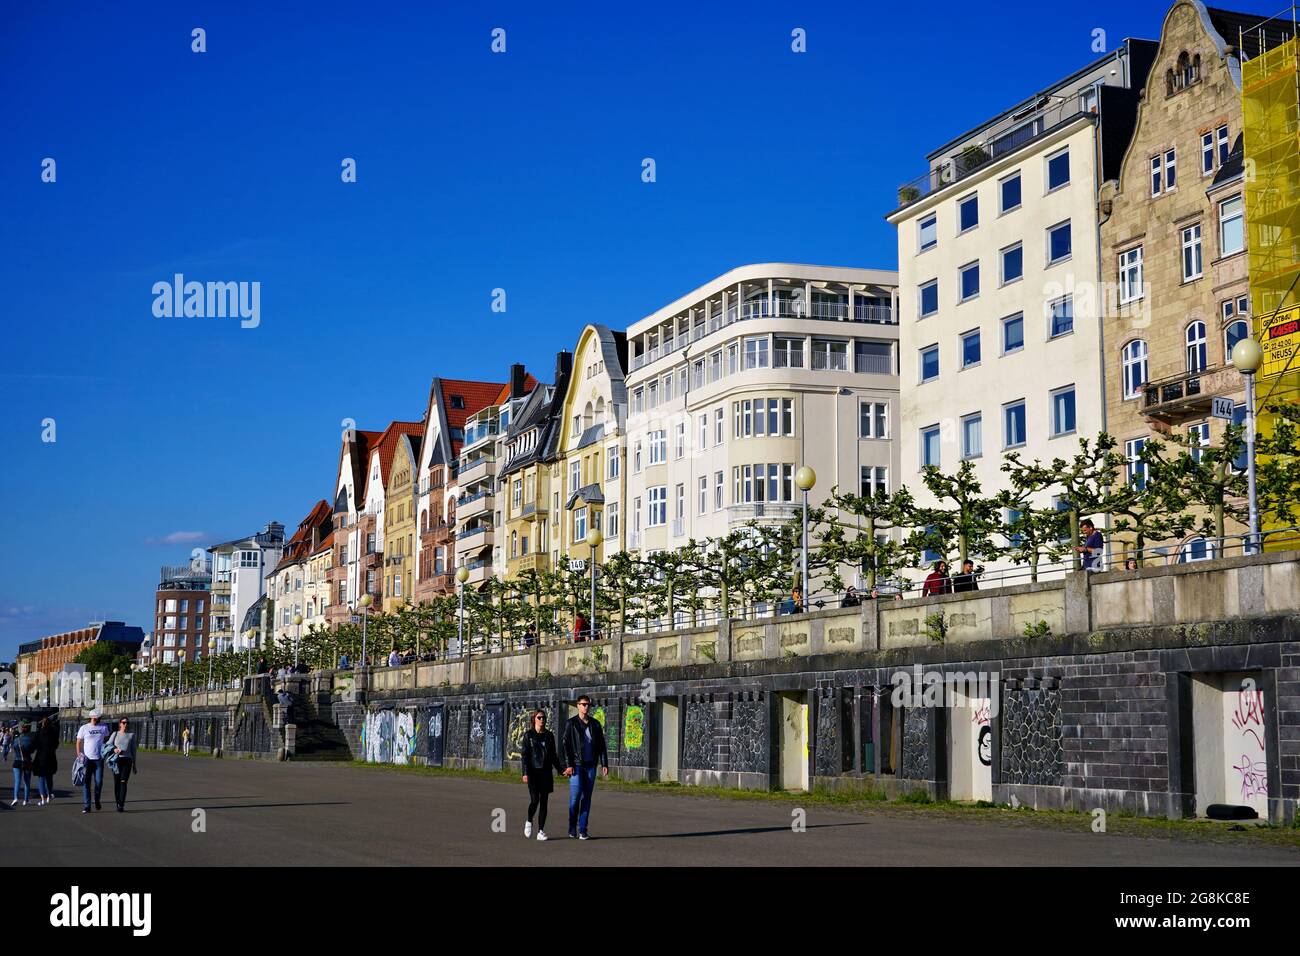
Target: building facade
[239, 572]
[1174, 244]
[737, 384]
[999, 280]
[286, 586]
[400, 538]
[181, 611]
[591, 446]
[50, 654]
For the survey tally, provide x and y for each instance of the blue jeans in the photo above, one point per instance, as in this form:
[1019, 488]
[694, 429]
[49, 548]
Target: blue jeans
[581, 785]
[94, 779]
[23, 776]
[45, 785]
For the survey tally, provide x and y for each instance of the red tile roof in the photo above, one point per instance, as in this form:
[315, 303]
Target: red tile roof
[503, 396]
[477, 396]
[297, 546]
[387, 446]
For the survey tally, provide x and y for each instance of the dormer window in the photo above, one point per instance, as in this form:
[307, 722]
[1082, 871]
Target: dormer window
[458, 401]
[1185, 72]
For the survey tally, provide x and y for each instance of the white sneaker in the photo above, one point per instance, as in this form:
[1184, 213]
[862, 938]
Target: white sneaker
[541, 835]
[14, 803]
[528, 829]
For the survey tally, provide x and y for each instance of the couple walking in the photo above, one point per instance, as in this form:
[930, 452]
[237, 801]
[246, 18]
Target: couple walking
[99, 746]
[584, 750]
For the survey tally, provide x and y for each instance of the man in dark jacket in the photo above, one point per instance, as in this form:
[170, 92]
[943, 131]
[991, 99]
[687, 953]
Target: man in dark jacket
[966, 581]
[584, 749]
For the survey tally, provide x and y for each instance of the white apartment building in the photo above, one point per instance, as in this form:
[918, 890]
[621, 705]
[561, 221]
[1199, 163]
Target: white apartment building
[737, 384]
[1000, 295]
[240, 569]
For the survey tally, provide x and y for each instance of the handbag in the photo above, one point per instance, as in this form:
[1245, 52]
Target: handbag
[79, 770]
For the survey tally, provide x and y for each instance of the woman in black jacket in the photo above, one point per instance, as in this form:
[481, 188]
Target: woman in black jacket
[46, 764]
[540, 758]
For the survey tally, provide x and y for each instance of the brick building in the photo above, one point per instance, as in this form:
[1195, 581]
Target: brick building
[182, 603]
[59, 649]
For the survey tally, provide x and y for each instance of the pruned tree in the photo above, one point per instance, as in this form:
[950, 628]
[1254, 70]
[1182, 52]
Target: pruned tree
[1153, 504]
[1277, 467]
[1209, 479]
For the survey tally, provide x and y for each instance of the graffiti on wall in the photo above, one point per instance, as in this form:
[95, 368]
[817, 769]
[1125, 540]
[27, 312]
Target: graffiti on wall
[633, 727]
[1248, 722]
[388, 736]
[980, 710]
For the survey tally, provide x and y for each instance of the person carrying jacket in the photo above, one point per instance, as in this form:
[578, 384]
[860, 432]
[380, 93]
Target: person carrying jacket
[540, 758]
[584, 749]
[46, 764]
[121, 744]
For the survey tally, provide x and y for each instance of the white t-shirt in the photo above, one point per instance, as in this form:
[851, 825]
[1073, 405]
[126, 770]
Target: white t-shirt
[93, 737]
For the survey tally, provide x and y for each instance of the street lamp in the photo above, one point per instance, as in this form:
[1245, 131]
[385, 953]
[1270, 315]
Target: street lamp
[212, 648]
[180, 659]
[805, 478]
[594, 538]
[462, 575]
[248, 636]
[115, 697]
[365, 603]
[297, 620]
[134, 667]
[1248, 356]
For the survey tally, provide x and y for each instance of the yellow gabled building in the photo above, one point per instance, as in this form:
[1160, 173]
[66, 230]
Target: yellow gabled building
[400, 543]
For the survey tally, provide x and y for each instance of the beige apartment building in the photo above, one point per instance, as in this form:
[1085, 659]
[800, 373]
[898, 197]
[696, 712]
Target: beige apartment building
[740, 382]
[1000, 295]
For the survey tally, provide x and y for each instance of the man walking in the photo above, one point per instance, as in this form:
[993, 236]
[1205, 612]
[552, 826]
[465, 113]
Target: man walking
[90, 744]
[1093, 546]
[584, 748]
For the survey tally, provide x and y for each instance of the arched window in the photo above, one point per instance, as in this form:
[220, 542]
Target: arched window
[1235, 332]
[1195, 549]
[1196, 357]
[1134, 357]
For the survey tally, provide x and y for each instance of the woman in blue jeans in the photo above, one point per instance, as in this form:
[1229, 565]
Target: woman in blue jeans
[24, 756]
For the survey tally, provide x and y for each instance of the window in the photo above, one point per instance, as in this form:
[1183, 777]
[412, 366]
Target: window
[927, 233]
[1136, 467]
[1196, 351]
[873, 357]
[703, 504]
[1198, 437]
[1221, 139]
[1232, 226]
[1013, 334]
[715, 367]
[1192, 266]
[652, 394]
[1130, 275]
[929, 303]
[657, 506]
[827, 354]
[1058, 170]
[972, 436]
[756, 353]
[579, 524]
[787, 353]
[575, 475]
[719, 423]
[970, 349]
[718, 493]
[658, 447]
[1207, 153]
[638, 401]
[611, 519]
[612, 456]
[679, 449]
[1157, 176]
[1060, 316]
[874, 481]
[968, 213]
[636, 458]
[680, 512]
[1171, 171]
[873, 420]
[1009, 191]
[703, 437]
[968, 281]
[1058, 242]
[1134, 361]
[733, 360]
[930, 446]
[1063, 411]
[1164, 172]
[1235, 329]
[929, 363]
[1013, 424]
[1013, 263]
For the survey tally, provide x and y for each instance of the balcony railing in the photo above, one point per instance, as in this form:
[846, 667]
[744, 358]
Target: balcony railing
[1188, 395]
[974, 156]
[763, 510]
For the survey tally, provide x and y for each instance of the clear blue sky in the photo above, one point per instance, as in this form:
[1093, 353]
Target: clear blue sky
[475, 171]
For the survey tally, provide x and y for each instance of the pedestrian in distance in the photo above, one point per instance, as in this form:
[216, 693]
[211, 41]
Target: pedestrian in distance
[90, 744]
[851, 598]
[24, 753]
[121, 761]
[584, 750]
[937, 582]
[47, 758]
[530, 635]
[540, 759]
[185, 740]
[579, 628]
[1130, 564]
[966, 581]
[1093, 545]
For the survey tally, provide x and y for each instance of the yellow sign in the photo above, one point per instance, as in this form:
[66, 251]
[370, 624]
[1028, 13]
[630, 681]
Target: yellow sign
[1280, 340]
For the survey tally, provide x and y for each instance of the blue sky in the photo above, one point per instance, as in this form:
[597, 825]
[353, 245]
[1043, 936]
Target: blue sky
[476, 171]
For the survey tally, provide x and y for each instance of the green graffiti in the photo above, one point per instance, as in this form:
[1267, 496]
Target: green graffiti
[633, 727]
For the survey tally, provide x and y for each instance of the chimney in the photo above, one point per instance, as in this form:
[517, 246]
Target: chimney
[517, 378]
[563, 366]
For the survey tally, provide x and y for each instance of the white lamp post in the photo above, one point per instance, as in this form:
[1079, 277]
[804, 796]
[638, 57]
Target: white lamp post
[180, 659]
[115, 697]
[594, 538]
[212, 647]
[297, 620]
[462, 575]
[805, 478]
[365, 603]
[1248, 356]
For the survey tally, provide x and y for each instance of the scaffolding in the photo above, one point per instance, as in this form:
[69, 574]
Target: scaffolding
[1271, 138]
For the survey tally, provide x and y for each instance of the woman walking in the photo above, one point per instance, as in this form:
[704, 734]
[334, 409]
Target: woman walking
[121, 760]
[24, 753]
[540, 759]
[47, 760]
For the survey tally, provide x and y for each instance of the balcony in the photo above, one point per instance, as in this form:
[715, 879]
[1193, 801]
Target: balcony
[480, 469]
[1188, 395]
[474, 538]
[479, 571]
[537, 561]
[532, 511]
[763, 511]
[476, 504]
[1001, 140]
